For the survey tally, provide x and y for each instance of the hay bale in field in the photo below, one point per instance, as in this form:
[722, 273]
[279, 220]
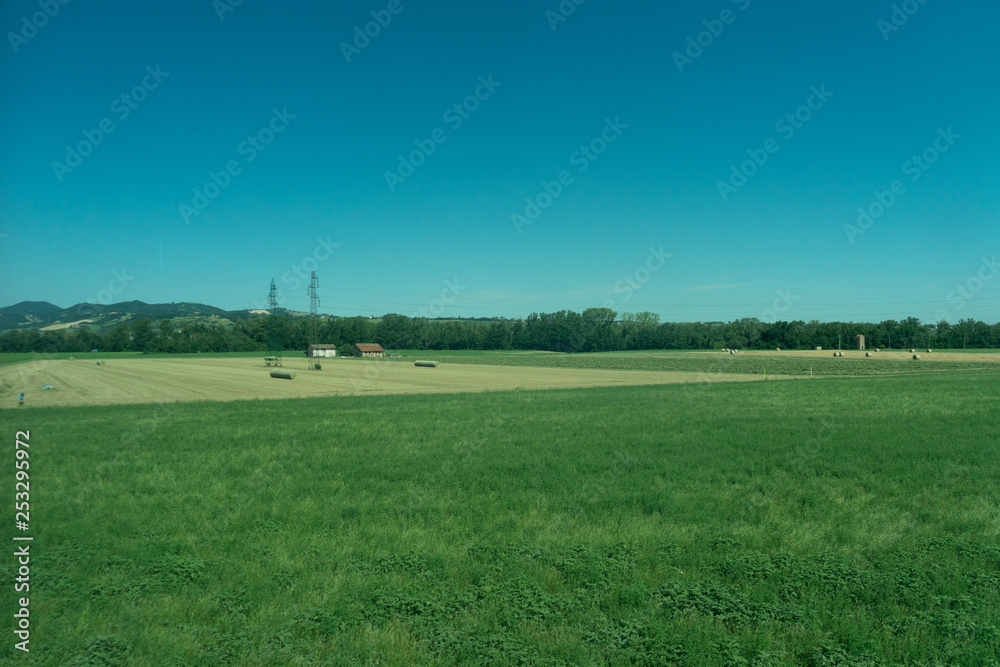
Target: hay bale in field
[916, 356]
[72, 358]
[912, 350]
[868, 354]
[877, 350]
[777, 349]
[283, 374]
[426, 364]
[928, 349]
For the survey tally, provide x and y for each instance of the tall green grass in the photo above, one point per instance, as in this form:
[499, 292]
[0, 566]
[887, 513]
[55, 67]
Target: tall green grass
[825, 522]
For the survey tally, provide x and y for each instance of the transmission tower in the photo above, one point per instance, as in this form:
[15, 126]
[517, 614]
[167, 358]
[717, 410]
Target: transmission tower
[313, 327]
[273, 333]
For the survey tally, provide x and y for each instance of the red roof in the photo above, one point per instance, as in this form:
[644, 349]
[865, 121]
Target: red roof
[368, 347]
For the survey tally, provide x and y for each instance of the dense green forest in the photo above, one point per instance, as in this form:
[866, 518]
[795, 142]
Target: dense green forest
[593, 330]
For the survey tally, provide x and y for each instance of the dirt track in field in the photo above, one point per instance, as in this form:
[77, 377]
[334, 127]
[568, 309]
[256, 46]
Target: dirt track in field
[79, 382]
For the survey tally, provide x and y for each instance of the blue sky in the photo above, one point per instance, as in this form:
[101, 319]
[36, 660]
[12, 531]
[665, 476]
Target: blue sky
[649, 214]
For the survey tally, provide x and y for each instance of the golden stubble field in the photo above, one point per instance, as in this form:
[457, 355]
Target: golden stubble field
[80, 382]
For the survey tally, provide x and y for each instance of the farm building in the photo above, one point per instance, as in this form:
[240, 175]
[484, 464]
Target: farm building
[368, 350]
[861, 341]
[322, 351]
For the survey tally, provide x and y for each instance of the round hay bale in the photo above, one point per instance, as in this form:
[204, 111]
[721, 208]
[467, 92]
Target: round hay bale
[283, 374]
[928, 349]
[426, 364]
[916, 356]
[912, 350]
[868, 354]
[732, 351]
[777, 349]
[877, 350]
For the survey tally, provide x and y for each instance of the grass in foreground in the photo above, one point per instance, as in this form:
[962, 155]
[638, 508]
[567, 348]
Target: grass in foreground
[832, 522]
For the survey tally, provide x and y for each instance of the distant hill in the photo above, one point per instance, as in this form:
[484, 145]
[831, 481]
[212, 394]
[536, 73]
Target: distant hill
[41, 315]
[100, 318]
[27, 314]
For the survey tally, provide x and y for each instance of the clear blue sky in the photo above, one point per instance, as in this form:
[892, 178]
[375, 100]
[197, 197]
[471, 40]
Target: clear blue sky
[777, 239]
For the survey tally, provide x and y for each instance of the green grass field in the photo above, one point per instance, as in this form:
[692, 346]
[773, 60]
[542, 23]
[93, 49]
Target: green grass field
[823, 522]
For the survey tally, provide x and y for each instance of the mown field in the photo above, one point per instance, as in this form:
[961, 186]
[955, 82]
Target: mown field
[159, 380]
[789, 363]
[824, 522]
[18, 357]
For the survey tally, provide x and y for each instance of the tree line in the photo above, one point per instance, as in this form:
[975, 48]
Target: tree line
[593, 330]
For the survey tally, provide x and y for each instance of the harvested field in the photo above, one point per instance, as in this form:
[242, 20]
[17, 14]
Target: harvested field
[891, 355]
[222, 379]
[792, 363]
